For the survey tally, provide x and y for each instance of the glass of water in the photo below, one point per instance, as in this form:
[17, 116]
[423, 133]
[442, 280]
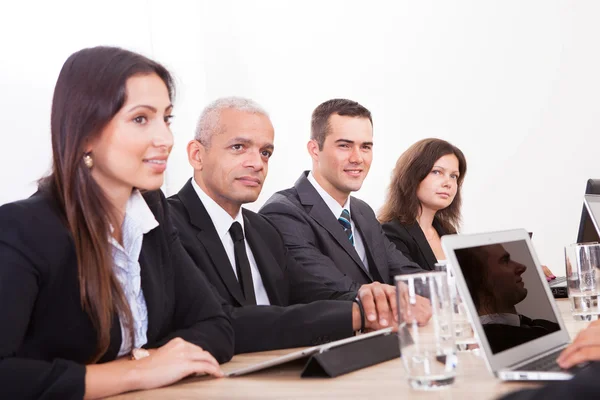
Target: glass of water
[583, 277]
[464, 338]
[428, 349]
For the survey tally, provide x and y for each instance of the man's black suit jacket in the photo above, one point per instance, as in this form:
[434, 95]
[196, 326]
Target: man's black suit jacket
[316, 239]
[411, 241]
[286, 322]
[46, 338]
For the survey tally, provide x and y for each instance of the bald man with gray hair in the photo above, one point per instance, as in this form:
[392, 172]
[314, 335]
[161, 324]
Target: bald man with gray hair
[272, 302]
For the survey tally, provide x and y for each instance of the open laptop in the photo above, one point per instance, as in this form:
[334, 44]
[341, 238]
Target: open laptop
[558, 286]
[304, 353]
[510, 304]
[587, 229]
[592, 206]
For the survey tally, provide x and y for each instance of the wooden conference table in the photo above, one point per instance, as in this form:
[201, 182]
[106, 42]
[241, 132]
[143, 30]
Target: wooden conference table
[386, 380]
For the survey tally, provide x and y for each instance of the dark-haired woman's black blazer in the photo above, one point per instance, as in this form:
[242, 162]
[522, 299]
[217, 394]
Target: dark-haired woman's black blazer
[411, 241]
[45, 336]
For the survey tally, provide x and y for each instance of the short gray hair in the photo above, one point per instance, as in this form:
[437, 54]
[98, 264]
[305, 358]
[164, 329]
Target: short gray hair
[208, 123]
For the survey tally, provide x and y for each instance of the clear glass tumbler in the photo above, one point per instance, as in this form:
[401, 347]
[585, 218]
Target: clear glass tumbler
[583, 276]
[428, 350]
[464, 338]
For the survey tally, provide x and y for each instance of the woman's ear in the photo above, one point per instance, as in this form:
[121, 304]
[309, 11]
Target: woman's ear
[88, 145]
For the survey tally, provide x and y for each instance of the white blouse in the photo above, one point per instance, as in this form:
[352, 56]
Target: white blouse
[138, 221]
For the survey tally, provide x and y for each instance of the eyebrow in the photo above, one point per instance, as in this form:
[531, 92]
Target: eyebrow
[239, 140]
[440, 167]
[151, 108]
[244, 140]
[352, 142]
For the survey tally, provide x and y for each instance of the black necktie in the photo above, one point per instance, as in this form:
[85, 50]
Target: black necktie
[244, 273]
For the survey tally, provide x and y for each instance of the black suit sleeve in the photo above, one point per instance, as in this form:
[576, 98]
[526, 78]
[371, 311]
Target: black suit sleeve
[398, 239]
[302, 244]
[305, 287]
[260, 328]
[584, 386]
[19, 282]
[398, 263]
[199, 317]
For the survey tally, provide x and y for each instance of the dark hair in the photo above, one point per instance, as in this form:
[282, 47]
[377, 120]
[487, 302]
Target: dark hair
[473, 264]
[411, 168]
[90, 90]
[319, 126]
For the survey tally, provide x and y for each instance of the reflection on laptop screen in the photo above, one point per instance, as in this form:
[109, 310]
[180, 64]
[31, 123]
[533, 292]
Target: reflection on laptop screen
[508, 293]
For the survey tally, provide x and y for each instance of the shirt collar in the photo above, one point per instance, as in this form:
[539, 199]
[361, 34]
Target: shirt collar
[139, 214]
[502, 318]
[333, 205]
[220, 218]
[138, 221]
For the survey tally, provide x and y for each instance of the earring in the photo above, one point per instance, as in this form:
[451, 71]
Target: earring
[88, 160]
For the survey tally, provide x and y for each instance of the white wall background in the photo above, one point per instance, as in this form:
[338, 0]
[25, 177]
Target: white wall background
[514, 84]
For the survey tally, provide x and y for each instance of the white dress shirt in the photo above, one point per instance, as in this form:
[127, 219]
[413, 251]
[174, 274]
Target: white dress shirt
[138, 221]
[501, 318]
[222, 222]
[336, 209]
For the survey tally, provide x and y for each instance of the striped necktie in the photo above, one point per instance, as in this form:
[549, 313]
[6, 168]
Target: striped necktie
[344, 219]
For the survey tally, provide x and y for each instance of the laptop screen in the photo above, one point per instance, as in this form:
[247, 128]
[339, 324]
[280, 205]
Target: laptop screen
[592, 204]
[587, 232]
[508, 293]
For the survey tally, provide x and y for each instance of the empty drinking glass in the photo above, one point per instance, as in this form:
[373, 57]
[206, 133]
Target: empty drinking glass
[428, 350]
[464, 338]
[582, 261]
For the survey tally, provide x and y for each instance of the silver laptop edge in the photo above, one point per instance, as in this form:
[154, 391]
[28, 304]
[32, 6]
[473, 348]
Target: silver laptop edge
[505, 363]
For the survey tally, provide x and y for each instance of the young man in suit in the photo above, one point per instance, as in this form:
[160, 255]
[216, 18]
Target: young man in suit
[270, 299]
[335, 236]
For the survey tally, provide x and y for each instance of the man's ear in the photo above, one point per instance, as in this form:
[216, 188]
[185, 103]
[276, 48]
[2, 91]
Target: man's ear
[195, 152]
[313, 149]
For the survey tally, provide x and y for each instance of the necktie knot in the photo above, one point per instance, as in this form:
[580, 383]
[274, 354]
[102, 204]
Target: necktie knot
[344, 220]
[236, 232]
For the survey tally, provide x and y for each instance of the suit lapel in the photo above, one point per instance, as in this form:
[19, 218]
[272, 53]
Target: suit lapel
[419, 237]
[207, 236]
[318, 210]
[264, 261]
[366, 232]
[150, 276]
[115, 341]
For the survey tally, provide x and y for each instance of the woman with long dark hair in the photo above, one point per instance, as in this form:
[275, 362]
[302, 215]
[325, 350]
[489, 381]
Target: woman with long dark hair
[97, 295]
[423, 200]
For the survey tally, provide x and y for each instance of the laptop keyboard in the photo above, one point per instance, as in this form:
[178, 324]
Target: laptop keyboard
[546, 363]
[559, 280]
